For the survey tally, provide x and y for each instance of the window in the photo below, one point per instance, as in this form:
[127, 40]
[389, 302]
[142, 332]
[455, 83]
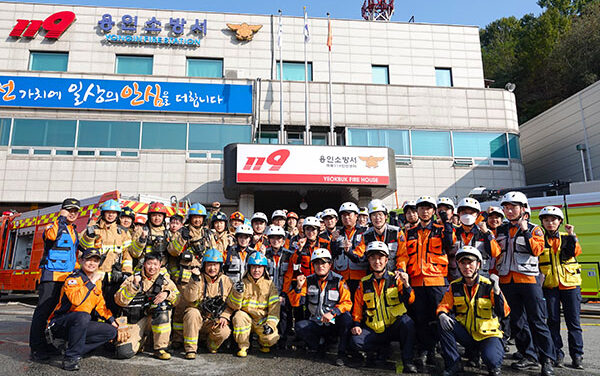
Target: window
[164, 136]
[443, 77]
[431, 143]
[293, 71]
[40, 132]
[108, 134]
[381, 74]
[396, 139]
[48, 61]
[131, 64]
[268, 138]
[4, 131]
[217, 136]
[513, 146]
[295, 138]
[487, 145]
[212, 68]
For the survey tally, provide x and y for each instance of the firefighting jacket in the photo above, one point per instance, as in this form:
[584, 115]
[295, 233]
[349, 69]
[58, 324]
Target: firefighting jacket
[80, 294]
[114, 244]
[485, 243]
[260, 300]
[235, 263]
[379, 302]
[299, 264]
[187, 246]
[203, 287]
[519, 252]
[322, 295]
[60, 238]
[345, 262]
[129, 290]
[558, 262]
[221, 241]
[476, 308]
[279, 262]
[157, 241]
[390, 235]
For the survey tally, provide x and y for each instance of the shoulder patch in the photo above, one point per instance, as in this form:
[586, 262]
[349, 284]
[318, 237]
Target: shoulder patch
[71, 281]
[538, 232]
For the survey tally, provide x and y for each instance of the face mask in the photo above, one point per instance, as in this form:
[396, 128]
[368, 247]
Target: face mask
[467, 219]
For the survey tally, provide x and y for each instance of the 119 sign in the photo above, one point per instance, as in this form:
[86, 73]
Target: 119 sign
[276, 159]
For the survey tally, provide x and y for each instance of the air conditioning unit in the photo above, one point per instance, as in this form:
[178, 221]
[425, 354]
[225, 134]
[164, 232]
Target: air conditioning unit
[403, 161]
[463, 162]
[231, 73]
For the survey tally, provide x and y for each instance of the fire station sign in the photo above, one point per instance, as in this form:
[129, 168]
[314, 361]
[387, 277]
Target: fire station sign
[299, 164]
[76, 93]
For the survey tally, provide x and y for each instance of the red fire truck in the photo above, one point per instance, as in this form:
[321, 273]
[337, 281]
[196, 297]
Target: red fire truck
[22, 246]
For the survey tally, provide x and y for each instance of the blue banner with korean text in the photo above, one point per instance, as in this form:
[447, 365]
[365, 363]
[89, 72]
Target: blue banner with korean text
[76, 93]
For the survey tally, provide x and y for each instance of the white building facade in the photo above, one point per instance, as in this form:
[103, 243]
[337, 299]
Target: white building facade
[88, 117]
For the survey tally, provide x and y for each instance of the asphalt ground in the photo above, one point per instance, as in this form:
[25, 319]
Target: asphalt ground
[15, 318]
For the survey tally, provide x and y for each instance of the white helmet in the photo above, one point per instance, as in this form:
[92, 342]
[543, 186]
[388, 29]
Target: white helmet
[278, 213]
[409, 204]
[349, 207]
[244, 229]
[445, 201]
[311, 221]
[427, 200]
[319, 216]
[260, 216]
[496, 210]
[363, 211]
[377, 206]
[328, 212]
[377, 246]
[551, 210]
[469, 202]
[273, 230]
[320, 253]
[468, 250]
[514, 198]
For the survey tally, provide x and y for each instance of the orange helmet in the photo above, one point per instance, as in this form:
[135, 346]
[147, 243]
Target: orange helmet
[140, 220]
[292, 215]
[237, 215]
[157, 207]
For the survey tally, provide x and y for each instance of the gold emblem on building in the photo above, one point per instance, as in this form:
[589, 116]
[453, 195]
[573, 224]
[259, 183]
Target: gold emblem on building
[372, 162]
[243, 31]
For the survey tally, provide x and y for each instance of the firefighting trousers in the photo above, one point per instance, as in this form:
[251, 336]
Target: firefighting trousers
[49, 294]
[402, 330]
[571, 304]
[422, 311]
[160, 334]
[178, 313]
[491, 349]
[311, 332]
[243, 325]
[82, 334]
[195, 326]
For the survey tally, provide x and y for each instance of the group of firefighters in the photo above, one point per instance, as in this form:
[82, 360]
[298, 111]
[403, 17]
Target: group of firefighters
[434, 277]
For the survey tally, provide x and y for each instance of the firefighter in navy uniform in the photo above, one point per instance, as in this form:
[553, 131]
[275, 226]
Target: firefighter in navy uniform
[345, 262]
[426, 262]
[59, 260]
[207, 314]
[379, 311]
[474, 234]
[562, 283]
[154, 237]
[186, 249]
[326, 298]
[114, 244]
[81, 295]
[235, 262]
[147, 298]
[521, 242]
[478, 305]
[279, 258]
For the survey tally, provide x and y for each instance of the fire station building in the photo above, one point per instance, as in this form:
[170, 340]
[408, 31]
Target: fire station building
[163, 103]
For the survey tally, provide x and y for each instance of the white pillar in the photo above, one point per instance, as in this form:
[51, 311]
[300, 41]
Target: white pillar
[246, 205]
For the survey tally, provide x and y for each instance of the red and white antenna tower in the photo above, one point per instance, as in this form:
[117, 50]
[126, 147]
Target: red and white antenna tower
[378, 10]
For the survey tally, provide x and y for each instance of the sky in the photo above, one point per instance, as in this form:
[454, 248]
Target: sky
[459, 12]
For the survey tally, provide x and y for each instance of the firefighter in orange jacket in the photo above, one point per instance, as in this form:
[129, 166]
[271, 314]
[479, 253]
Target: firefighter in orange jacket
[379, 311]
[426, 262]
[326, 298]
[345, 262]
[300, 261]
[71, 320]
[478, 305]
[58, 261]
[521, 243]
[562, 283]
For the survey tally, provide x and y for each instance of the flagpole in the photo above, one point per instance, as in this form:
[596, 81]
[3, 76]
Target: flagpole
[306, 122]
[280, 43]
[332, 140]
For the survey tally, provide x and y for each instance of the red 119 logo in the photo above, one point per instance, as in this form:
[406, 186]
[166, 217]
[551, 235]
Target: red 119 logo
[276, 159]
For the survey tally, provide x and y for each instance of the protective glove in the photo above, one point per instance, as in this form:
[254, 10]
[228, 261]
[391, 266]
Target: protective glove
[446, 322]
[123, 334]
[496, 283]
[185, 233]
[267, 330]
[91, 231]
[239, 286]
[444, 216]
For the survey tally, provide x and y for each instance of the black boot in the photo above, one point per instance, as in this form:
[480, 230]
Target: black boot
[71, 364]
[453, 370]
[410, 368]
[495, 371]
[526, 363]
[547, 369]
[577, 362]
